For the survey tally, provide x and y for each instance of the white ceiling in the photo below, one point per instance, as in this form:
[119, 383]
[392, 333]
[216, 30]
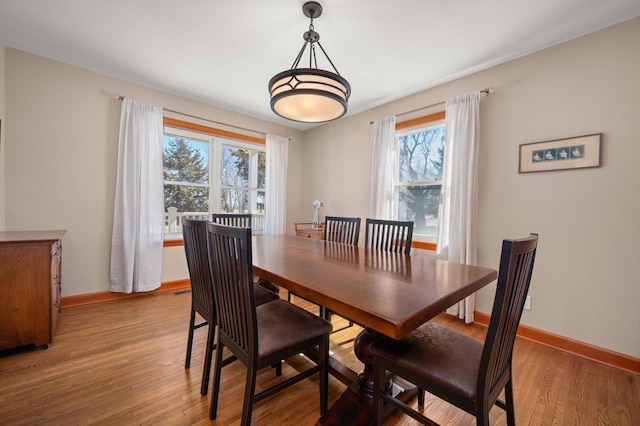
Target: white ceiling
[224, 52]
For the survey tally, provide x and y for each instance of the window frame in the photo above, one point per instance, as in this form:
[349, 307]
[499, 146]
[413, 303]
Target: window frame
[217, 138]
[407, 127]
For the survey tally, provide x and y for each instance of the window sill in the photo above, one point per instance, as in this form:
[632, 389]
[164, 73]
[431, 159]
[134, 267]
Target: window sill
[171, 241]
[175, 239]
[425, 245]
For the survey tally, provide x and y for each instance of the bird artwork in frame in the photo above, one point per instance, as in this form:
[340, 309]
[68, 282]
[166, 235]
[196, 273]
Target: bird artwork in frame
[561, 154]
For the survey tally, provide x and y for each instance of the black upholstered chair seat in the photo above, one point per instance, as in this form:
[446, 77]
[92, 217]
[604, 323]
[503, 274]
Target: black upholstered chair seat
[281, 328]
[435, 352]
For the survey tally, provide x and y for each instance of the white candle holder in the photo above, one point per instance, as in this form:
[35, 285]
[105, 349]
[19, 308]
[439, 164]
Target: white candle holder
[316, 216]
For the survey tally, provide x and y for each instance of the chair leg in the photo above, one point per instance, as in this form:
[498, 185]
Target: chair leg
[378, 380]
[217, 371]
[192, 320]
[508, 399]
[323, 360]
[420, 398]
[326, 314]
[249, 390]
[279, 369]
[482, 413]
[206, 371]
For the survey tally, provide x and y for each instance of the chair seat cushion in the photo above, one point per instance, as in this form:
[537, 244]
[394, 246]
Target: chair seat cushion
[282, 325]
[262, 295]
[437, 353]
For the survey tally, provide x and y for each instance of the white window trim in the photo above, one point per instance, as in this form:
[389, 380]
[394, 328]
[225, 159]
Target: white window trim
[215, 156]
[396, 173]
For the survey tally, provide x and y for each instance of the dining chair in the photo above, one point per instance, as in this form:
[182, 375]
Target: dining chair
[243, 220]
[342, 229]
[194, 233]
[453, 366]
[388, 235]
[259, 336]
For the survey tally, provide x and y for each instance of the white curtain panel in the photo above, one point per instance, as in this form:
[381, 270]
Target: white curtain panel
[383, 161]
[138, 217]
[276, 185]
[458, 218]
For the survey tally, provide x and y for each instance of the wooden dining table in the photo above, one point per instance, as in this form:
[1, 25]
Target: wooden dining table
[387, 293]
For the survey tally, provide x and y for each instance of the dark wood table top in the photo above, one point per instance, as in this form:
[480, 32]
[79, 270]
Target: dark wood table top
[391, 293]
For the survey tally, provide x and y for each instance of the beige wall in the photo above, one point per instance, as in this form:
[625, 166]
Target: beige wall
[586, 284]
[61, 155]
[61, 134]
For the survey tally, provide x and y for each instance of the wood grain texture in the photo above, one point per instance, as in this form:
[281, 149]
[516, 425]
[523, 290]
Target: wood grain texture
[122, 363]
[391, 293]
[30, 280]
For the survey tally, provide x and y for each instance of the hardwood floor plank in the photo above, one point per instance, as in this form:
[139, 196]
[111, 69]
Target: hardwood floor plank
[122, 363]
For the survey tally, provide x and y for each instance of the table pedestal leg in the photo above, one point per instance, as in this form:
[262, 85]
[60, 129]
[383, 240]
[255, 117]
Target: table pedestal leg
[361, 349]
[354, 406]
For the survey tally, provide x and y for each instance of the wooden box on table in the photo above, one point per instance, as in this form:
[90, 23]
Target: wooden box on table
[306, 230]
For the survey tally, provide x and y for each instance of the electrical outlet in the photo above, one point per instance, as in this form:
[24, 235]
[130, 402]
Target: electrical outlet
[527, 303]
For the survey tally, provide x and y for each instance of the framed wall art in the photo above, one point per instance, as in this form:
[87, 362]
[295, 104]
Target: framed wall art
[561, 154]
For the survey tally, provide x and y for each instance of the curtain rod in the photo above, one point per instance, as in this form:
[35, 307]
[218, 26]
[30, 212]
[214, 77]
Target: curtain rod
[486, 90]
[120, 97]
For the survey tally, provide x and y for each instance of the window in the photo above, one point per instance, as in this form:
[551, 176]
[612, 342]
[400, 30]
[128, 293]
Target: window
[419, 177]
[206, 174]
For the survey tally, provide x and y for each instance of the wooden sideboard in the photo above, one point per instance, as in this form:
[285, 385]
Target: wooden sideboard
[307, 231]
[30, 285]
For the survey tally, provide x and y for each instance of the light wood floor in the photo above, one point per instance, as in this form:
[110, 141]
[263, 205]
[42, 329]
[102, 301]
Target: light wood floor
[122, 363]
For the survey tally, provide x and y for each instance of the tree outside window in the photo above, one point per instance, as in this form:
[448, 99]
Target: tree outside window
[211, 175]
[419, 178]
[186, 174]
[242, 189]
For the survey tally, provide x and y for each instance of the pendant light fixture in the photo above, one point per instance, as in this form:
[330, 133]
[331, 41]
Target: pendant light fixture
[310, 95]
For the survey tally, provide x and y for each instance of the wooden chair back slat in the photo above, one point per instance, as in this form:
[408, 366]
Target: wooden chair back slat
[242, 220]
[342, 229]
[389, 235]
[194, 233]
[231, 267]
[514, 278]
